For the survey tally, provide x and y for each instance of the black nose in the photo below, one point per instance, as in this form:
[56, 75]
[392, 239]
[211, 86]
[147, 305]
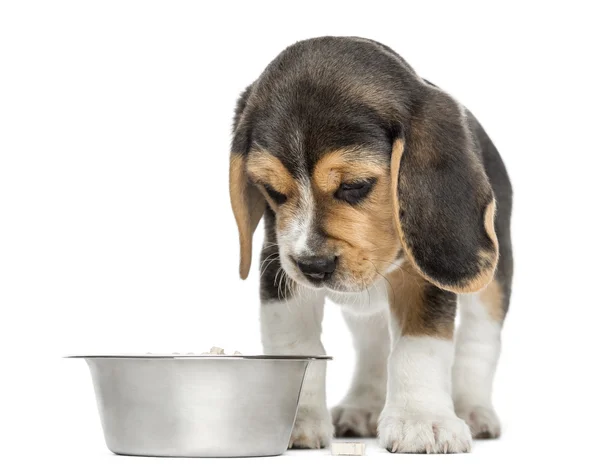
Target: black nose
[317, 268]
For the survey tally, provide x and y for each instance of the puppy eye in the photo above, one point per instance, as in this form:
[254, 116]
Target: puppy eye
[278, 197]
[356, 191]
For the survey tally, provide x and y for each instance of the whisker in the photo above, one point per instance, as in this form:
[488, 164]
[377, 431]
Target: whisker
[273, 260]
[367, 288]
[388, 282]
[288, 289]
[382, 276]
[278, 284]
[272, 256]
[270, 245]
[267, 262]
[282, 284]
[397, 265]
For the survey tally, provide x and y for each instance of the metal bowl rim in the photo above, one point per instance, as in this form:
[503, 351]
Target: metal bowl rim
[201, 357]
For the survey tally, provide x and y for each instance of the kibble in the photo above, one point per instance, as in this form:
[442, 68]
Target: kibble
[348, 449]
[219, 351]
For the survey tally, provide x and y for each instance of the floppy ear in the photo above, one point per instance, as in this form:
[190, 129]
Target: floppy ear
[444, 204]
[247, 202]
[248, 206]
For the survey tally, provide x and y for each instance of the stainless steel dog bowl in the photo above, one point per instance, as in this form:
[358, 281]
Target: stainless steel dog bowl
[198, 406]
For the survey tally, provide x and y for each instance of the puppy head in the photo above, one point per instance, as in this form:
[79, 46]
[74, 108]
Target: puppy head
[360, 175]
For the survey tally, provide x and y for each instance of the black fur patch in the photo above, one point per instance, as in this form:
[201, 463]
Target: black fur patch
[439, 309]
[274, 282]
[498, 176]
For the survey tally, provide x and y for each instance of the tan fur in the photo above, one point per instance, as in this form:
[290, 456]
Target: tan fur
[397, 150]
[407, 304]
[492, 298]
[248, 207]
[488, 222]
[363, 236]
[489, 260]
[264, 168]
[345, 164]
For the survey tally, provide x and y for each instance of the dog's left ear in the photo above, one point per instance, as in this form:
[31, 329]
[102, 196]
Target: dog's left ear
[444, 204]
[247, 202]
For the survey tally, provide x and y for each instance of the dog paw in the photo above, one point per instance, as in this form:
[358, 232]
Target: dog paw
[482, 421]
[312, 429]
[400, 435]
[354, 421]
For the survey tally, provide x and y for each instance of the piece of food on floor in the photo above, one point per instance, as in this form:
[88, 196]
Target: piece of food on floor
[348, 449]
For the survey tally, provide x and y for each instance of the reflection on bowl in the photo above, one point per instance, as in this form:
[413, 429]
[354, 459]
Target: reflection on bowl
[197, 405]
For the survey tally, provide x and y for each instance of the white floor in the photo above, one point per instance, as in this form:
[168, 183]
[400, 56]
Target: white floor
[512, 452]
[487, 456]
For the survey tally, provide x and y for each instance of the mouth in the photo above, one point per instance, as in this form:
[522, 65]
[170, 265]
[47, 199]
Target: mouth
[310, 281]
[316, 281]
[333, 281]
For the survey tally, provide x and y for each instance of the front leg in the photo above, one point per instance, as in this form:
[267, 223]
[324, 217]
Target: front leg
[290, 323]
[294, 327]
[418, 416]
[358, 412]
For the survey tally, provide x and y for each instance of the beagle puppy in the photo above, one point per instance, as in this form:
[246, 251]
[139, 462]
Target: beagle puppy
[382, 193]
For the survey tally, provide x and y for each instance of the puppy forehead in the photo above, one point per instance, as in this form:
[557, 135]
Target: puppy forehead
[300, 134]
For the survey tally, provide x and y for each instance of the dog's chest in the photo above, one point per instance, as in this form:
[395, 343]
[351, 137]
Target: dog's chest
[370, 301]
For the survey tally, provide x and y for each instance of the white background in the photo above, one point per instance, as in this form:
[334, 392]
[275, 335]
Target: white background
[116, 232]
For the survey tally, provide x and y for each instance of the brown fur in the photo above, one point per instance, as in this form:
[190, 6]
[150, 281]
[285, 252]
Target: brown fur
[489, 260]
[397, 150]
[363, 236]
[492, 298]
[411, 305]
[346, 164]
[248, 207]
[264, 168]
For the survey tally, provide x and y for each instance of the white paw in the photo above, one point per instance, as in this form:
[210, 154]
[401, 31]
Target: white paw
[404, 435]
[313, 429]
[354, 421]
[482, 421]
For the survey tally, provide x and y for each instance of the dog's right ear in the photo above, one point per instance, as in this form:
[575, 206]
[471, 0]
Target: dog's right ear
[247, 202]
